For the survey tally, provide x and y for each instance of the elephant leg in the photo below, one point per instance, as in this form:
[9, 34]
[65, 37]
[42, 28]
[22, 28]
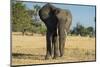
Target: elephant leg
[62, 37]
[48, 45]
[61, 44]
[55, 45]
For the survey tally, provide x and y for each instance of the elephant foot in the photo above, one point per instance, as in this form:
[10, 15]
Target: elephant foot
[47, 57]
[61, 55]
[55, 57]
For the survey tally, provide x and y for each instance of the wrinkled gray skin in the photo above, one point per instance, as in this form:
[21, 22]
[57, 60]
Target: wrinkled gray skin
[58, 22]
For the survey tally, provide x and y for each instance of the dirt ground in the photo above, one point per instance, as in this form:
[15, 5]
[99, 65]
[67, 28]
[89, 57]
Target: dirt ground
[31, 50]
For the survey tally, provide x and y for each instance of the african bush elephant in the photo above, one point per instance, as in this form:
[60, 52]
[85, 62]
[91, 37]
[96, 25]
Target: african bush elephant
[58, 22]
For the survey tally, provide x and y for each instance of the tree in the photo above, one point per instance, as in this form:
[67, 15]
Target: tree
[90, 31]
[21, 20]
[79, 30]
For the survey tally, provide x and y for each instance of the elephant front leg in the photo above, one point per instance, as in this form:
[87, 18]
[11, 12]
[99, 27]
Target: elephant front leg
[48, 46]
[62, 37]
[56, 46]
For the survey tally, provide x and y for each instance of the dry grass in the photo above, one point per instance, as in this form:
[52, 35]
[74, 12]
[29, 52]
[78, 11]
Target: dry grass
[31, 50]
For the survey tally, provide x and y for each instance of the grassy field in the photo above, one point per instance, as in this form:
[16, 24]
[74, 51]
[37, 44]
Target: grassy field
[31, 49]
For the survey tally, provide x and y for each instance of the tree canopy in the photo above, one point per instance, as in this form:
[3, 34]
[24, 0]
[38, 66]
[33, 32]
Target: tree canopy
[22, 19]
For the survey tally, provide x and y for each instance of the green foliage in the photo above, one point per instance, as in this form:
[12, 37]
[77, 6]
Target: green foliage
[43, 30]
[82, 31]
[22, 19]
[39, 28]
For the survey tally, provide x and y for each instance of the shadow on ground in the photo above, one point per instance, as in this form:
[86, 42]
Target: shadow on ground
[28, 56]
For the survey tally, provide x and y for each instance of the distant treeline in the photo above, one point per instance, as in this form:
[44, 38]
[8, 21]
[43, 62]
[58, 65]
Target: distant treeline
[27, 20]
[80, 30]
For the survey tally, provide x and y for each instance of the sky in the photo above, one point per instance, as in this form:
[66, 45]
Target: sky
[82, 14]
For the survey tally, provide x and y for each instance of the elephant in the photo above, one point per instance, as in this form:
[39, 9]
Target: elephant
[57, 22]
